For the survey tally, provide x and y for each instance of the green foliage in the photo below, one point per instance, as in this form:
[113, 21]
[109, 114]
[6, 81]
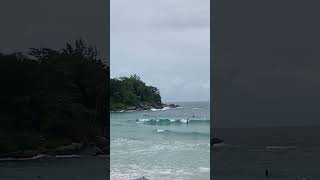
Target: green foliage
[60, 94]
[131, 91]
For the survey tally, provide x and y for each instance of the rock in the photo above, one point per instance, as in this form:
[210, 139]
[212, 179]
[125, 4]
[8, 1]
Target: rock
[145, 108]
[106, 150]
[132, 108]
[172, 106]
[91, 151]
[20, 154]
[157, 106]
[28, 154]
[66, 150]
[215, 141]
[101, 142]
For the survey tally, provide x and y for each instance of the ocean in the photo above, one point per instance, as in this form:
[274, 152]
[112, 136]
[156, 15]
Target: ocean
[52, 168]
[159, 144]
[287, 152]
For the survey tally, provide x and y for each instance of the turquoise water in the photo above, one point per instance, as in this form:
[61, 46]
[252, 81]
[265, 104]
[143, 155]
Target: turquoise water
[160, 144]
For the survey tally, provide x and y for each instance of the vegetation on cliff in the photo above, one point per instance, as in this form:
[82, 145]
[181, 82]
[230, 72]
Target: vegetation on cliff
[52, 97]
[131, 92]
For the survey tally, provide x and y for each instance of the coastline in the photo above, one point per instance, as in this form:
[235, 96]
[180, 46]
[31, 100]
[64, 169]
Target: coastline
[99, 146]
[145, 107]
[43, 156]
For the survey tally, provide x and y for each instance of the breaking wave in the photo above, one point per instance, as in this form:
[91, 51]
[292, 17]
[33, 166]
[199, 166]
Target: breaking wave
[171, 121]
[177, 133]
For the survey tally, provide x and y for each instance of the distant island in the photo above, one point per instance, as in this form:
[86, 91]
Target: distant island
[54, 102]
[132, 94]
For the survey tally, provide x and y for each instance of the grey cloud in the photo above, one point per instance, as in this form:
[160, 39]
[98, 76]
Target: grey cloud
[267, 61]
[51, 23]
[164, 42]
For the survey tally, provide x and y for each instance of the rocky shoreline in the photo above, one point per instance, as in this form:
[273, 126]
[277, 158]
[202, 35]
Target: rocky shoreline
[146, 107]
[99, 146]
[215, 141]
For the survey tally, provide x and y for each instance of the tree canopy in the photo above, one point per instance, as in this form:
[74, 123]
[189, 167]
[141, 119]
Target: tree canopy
[52, 94]
[132, 91]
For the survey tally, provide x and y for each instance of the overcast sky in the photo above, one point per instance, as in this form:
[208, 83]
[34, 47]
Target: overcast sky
[52, 23]
[166, 43]
[267, 62]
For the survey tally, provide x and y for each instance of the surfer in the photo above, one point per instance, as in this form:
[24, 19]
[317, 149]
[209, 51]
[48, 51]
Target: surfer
[188, 122]
[192, 115]
[267, 173]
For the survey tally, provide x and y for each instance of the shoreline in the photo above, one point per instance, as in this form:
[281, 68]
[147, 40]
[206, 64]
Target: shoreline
[98, 146]
[43, 156]
[140, 108]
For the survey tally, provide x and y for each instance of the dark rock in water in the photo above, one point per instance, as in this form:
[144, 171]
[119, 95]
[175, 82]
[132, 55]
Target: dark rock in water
[28, 154]
[157, 106]
[91, 151]
[215, 141]
[146, 106]
[101, 142]
[131, 108]
[66, 150]
[20, 154]
[106, 150]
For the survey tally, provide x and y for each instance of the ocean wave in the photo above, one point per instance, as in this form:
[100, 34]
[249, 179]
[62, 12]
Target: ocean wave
[24, 159]
[281, 147]
[171, 121]
[40, 156]
[204, 169]
[162, 109]
[178, 133]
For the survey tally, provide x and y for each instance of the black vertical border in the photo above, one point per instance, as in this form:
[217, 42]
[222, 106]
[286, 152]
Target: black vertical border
[108, 66]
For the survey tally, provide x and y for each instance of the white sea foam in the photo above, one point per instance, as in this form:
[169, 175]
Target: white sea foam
[280, 147]
[183, 120]
[68, 156]
[23, 159]
[143, 120]
[160, 130]
[204, 169]
[165, 108]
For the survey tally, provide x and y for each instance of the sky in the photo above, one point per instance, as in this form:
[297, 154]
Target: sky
[267, 62]
[166, 43]
[52, 23]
